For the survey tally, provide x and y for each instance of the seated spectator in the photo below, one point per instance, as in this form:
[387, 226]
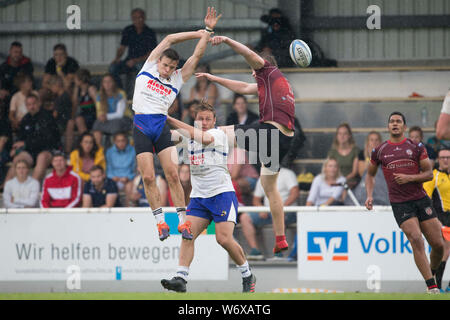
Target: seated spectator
[243, 175]
[437, 144]
[16, 63]
[138, 194]
[380, 192]
[61, 188]
[17, 107]
[325, 188]
[184, 173]
[373, 140]
[37, 136]
[60, 65]
[22, 191]
[288, 187]
[121, 164]
[203, 89]
[83, 100]
[277, 37]
[100, 191]
[111, 104]
[4, 157]
[240, 113]
[416, 134]
[86, 155]
[189, 112]
[345, 151]
[140, 41]
[63, 111]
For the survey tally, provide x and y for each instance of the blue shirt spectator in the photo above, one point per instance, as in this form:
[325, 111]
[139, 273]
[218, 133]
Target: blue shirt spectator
[121, 159]
[99, 191]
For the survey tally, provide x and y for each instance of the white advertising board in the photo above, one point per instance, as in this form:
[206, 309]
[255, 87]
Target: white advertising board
[353, 246]
[101, 246]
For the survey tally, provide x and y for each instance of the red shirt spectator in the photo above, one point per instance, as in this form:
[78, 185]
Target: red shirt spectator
[62, 188]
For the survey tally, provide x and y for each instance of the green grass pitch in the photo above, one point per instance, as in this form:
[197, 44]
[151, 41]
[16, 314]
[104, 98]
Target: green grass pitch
[221, 296]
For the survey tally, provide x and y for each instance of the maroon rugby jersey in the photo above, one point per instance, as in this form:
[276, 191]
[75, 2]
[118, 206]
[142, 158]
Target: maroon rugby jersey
[403, 157]
[276, 99]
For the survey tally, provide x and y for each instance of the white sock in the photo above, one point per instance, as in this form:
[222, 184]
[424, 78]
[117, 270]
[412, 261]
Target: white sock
[159, 215]
[245, 270]
[182, 272]
[181, 212]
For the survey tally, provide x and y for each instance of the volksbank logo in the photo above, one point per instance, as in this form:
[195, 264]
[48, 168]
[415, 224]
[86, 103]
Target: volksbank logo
[327, 245]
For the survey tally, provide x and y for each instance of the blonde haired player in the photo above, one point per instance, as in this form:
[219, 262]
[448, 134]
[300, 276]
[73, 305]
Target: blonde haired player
[212, 196]
[157, 85]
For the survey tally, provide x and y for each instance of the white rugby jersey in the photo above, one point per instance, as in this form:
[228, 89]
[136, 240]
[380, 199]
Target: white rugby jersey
[208, 165]
[152, 94]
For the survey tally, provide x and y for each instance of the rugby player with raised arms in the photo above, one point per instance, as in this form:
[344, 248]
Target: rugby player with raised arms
[271, 137]
[157, 85]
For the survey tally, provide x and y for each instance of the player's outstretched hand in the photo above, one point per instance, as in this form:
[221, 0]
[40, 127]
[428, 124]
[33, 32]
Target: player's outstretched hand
[369, 203]
[203, 74]
[211, 18]
[217, 40]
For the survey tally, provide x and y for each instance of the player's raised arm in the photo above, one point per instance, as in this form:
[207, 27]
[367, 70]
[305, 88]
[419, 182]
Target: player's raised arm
[253, 59]
[211, 20]
[234, 85]
[191, 132]
[170, 40]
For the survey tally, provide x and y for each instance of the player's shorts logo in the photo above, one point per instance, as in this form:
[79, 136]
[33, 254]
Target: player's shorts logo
[327, 245]
[428, 211]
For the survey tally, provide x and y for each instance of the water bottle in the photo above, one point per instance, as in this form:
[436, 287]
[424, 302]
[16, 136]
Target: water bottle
[424, 116]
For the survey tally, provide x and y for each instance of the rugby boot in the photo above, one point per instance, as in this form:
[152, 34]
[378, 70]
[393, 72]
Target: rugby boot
[185, 230]
[175, 284]
[163, 230]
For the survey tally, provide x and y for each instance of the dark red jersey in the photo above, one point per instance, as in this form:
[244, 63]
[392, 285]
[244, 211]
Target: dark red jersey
[403, 157]
[276, 99]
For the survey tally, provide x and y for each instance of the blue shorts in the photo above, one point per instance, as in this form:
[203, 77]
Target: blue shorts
[220, 208]
[151, 133]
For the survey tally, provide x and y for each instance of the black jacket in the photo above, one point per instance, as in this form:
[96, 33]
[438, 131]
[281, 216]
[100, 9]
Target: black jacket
[39, 132]
[233, 118]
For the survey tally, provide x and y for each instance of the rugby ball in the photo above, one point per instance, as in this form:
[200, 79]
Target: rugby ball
[300, 53]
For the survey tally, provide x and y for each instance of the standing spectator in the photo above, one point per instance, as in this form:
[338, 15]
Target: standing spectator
[100, 191]
[38, 136]
[63, 111]
[22, 191]
[86, 155]
[416, 134]
[121, 164]
[289, 191]
[438, 190]
[140, 41]
[16, 63]
[61, 65]
[240, 113]
[443, 124]
[345, 151]
[17, 107]
[325, 188]
[61, 188]
[277, 37]
[83, 100]
[111, 104]
[437, 144]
